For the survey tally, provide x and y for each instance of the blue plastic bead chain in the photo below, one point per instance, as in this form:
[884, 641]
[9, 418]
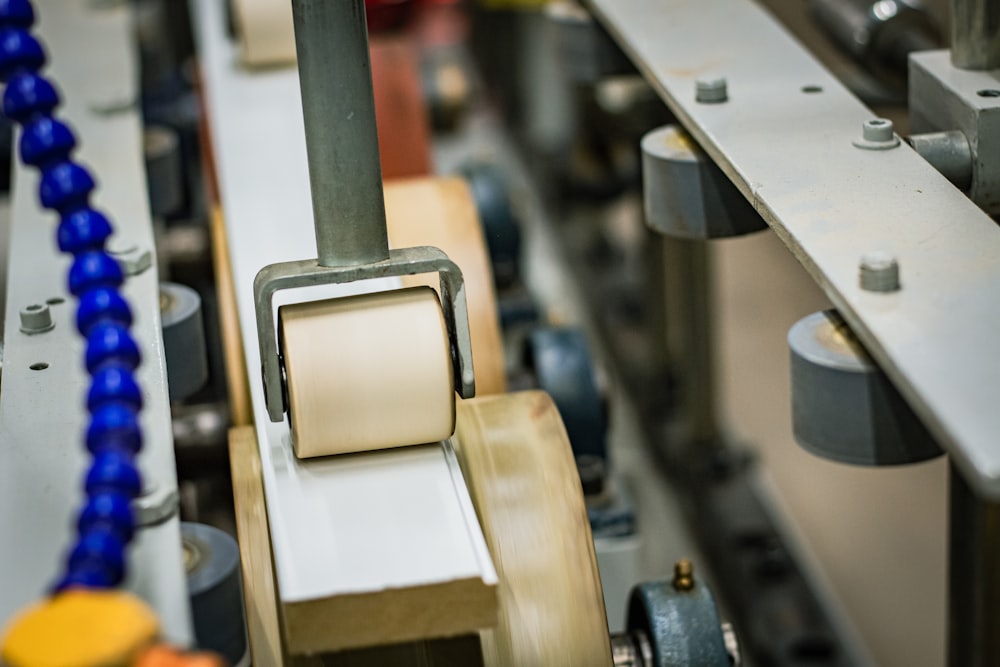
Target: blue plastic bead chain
[106, 523]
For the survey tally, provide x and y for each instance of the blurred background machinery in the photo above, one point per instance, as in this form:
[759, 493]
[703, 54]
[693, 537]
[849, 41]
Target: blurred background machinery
[699, 297]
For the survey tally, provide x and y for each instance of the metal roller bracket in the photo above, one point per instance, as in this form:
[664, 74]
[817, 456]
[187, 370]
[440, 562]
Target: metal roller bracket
[403, 262]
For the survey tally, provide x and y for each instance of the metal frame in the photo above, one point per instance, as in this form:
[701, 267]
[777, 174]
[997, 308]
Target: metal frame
[42, 413]
[403, 262]
[789, 149]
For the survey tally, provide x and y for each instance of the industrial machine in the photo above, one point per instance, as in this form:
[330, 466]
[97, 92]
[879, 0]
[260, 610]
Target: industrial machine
[390, 329]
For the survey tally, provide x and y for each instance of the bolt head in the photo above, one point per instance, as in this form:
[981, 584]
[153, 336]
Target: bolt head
[36, 318]
[879, 272]
[878, 129]
[711, 91]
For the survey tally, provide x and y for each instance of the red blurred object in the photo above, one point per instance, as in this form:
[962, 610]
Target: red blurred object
[400, 110]
[387, 14]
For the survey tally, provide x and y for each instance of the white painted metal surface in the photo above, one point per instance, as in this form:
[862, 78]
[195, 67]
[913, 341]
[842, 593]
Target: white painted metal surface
[790, 153]
[42, 415]
[341, 524]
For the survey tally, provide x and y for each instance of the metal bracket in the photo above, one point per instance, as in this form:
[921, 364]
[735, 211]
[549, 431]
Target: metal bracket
[403, 262]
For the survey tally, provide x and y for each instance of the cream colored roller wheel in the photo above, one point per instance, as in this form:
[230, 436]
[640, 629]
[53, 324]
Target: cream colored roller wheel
[522, 477]
[367, 372]
[266, 32]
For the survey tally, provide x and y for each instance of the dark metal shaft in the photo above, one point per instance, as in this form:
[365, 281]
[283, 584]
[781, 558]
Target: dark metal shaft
[975, 34]
[331, 40]
[973, 578]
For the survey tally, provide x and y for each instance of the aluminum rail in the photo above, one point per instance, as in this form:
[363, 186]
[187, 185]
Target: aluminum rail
[785, 136]
[42, 412]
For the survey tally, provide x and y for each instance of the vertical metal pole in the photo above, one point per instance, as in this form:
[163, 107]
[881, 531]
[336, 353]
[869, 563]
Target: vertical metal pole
[973, 578]
[975, 34]
[331, 40]
[690, 343]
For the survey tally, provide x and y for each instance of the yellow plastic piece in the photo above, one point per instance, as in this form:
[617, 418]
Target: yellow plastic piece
[80, 628]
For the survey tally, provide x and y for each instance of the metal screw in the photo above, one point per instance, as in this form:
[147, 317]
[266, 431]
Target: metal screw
[711, 91]
[879, 272]
[877, 129]
[683, 575]
[155, 505]
[131, 258]
[877, 134]
[36, 319]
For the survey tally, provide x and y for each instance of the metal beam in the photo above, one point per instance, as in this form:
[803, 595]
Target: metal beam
[785, 136]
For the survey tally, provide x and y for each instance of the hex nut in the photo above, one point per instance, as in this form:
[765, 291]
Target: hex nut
[36, 319]
[132, 259]
[879, 272]
[155, 505]
[711, 91]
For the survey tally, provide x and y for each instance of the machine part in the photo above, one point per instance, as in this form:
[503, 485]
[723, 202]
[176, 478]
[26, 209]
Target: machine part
[975, 34]
[266, 31]
[212, 563]
[36, 319]
[947, 369]
[711, 91]
[631, 650]
[949, 153]
[338, 106]
[879, 34]
[973, 579]
[585, 49]
[163, 169]
[878, 272]
[877, 134]
[348, 202]
[843, 407]
[524, 485]
[561, 360]
[155, 505]
[183, 340]
[387, 383]
[683, 580]
[92, 56]
[686, 195]
[132, 259]
[416, 492]
[682, 624]
[442, 212]
[944, 98]
[307, 273]
[491, 192]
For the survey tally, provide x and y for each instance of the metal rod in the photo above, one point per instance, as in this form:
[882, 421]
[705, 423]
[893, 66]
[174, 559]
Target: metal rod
[975, 34]
[338, 104]
[690, 344]
[973, 578]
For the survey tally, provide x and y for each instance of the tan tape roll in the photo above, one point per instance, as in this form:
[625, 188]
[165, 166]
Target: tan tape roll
[522, 477]
[367, 372]
[440, 212]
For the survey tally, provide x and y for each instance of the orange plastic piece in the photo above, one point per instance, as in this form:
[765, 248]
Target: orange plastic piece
[80, 628]
[165, 656]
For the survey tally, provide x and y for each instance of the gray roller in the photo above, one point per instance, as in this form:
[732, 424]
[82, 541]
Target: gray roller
[212, 562]
[183, 340]
[843, 407]
[686, 195]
